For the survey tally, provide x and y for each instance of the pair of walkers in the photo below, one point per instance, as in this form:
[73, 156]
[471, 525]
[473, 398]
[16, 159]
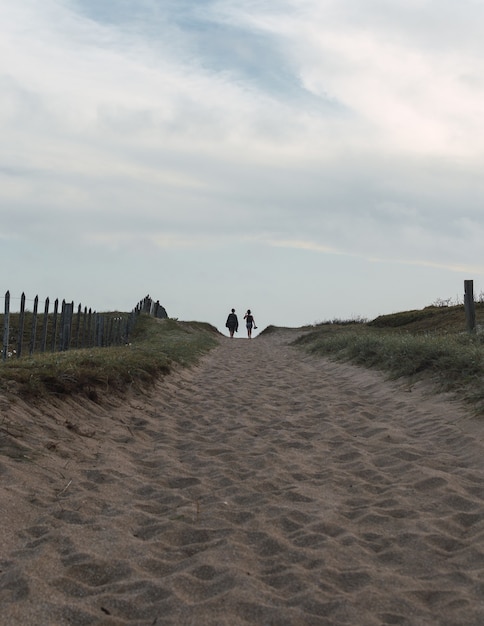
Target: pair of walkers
[232, 323]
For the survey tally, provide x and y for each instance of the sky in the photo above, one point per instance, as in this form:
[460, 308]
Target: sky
[311, 160]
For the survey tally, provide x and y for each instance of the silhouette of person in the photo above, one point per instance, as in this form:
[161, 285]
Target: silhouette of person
[232, 323]
[249, 323]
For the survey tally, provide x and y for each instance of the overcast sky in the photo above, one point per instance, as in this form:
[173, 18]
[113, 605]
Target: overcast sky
[307, 159]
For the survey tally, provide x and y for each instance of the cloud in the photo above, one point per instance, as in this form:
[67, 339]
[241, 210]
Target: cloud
[389, 258]
[349, 128]
[407, 72]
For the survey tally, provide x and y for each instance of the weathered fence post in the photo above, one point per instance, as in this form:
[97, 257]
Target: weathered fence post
[33, 331]
[469, 305]
[99, 324]
[109, 339]
[78, 326]
[119, 331]
[6, 326]
[102, 330]
[44, 326]
[61, 329]
[69, 321]
[89, 329]
[95, 329]
[130, 321]
[84, 328]
[21, 323]
[66, 324]
[54, 323]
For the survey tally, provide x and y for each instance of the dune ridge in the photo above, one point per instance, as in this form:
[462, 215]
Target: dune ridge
[264, 486]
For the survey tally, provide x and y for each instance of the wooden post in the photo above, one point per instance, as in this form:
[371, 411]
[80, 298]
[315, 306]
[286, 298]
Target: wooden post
[54, 323]
[44, 326]
[78, 326]
[469, 305]
[109, 332]
[33, 331]
[61, 325]
[66, 325]
[89, 330]
[84, 328]
[6, 326]
[21, 323]
[69, 321]
[99, 330]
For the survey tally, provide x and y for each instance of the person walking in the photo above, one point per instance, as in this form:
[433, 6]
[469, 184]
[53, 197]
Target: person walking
[232, 323]
[249, 323]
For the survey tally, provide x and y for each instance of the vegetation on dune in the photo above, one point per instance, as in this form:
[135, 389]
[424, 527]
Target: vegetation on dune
[156, 345]
[430, 319]
[431, 343]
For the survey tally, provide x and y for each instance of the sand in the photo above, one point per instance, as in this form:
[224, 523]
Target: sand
[264, 486]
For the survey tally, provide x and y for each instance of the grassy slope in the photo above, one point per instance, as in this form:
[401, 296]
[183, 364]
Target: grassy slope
[157, 344]
[430, 343]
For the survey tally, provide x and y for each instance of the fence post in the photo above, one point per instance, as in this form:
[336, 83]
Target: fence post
[44, 327]
[66, 323]
[84, 328]
[118, 336]
[68, 326]
[110, 325]
[78, 326]
[33, 331]
[89, 329]
[95, 329]
[54, 323]
[469, 305]
[21, 323]
[99, 326]
[61, 328]
[6, 326]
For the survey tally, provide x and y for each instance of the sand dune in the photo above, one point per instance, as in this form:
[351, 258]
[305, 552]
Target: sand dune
[263, 487]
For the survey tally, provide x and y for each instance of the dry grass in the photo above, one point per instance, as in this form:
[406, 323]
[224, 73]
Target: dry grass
[431, 343]
[156, 345]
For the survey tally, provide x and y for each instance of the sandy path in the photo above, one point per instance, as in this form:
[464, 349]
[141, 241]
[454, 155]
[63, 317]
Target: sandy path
[264, 487]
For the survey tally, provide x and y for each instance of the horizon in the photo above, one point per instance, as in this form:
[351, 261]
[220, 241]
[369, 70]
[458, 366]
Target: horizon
[15, 307]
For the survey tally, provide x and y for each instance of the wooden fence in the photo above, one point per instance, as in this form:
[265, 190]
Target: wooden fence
[66, 328]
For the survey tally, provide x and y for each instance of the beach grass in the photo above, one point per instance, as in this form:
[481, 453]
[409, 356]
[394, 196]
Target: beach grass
[156, 346]
[429, 344]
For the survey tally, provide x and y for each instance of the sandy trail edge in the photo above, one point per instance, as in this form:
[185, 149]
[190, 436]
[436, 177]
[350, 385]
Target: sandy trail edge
[263, 487]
